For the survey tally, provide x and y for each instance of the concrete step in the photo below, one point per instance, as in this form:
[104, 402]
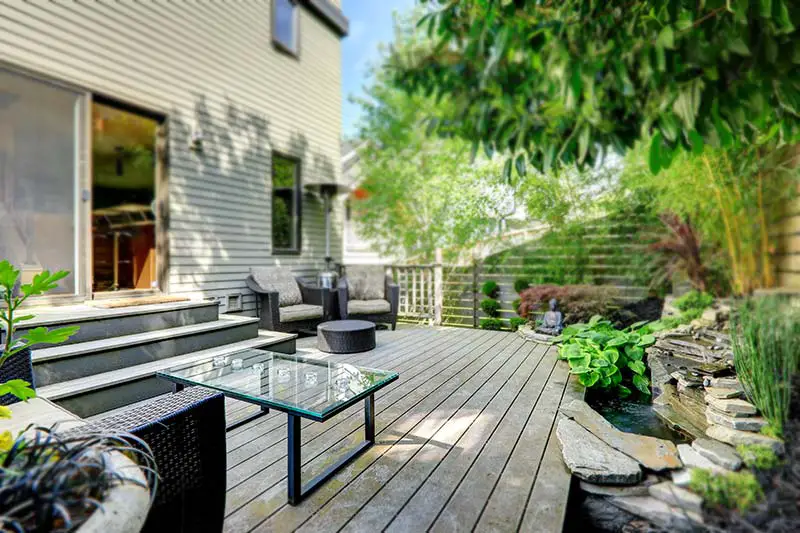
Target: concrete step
[88, 396]
[72, 361]
[97, 323]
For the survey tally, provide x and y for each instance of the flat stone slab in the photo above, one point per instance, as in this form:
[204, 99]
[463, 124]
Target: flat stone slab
[650, 452]
[693, 459]
[723, 413]
[726, 383]
[682, 477]
[676, 496]
[735, 437]
[640, 489]
[658, 512]
[743, 424]
[732, 406]
[716, 392]
[718, 452]
[591, 459]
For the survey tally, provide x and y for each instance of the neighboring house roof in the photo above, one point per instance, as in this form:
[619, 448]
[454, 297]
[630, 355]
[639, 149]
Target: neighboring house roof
[330, 14]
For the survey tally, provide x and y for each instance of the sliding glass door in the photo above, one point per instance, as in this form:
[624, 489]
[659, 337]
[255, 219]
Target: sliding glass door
[41, 133]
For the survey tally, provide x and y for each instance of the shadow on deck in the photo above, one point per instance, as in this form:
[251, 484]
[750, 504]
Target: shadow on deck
[465, 439]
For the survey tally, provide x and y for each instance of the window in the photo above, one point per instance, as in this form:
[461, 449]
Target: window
[285, 204]
[284, 25]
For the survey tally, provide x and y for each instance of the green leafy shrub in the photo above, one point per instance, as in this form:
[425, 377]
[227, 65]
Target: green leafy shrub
[520, 285]
[578, 303]
[737, 490]
[770, 431]
[490, 307]
[694, 300]
[490, 288]
[491, 323]
[765, 332]
[607, 358]
[691, 314]
[515, 304]
[516, 322]
[757, 456]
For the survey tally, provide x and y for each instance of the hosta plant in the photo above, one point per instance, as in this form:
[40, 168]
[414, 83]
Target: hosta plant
[607, 358]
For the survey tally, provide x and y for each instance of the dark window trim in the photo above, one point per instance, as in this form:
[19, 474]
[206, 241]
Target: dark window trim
[281, 47]
[298, 200]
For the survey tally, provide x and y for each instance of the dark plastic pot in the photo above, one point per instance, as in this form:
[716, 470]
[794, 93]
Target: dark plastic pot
[18, 366]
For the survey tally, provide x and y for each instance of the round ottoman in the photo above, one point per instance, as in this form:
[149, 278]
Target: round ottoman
[346, 336]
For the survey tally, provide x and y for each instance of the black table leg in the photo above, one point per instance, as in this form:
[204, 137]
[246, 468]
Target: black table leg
[177, 387]
[297, 492]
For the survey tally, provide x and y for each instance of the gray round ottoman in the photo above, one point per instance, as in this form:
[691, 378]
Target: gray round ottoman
[346, 336]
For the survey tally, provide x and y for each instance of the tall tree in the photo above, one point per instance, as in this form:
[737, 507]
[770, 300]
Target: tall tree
[559, 82]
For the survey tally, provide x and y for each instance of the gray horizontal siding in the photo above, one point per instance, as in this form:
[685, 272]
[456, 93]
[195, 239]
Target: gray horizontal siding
[211, 67]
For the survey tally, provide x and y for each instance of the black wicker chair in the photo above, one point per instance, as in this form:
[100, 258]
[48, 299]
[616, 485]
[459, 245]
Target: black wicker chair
[269, 310]
[391, 294]
[186, 433]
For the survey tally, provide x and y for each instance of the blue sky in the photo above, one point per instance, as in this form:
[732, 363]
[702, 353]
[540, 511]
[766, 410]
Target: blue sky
[370, 25]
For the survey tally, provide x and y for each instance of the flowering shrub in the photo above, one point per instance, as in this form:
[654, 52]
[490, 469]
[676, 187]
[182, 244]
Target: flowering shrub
[578, 303]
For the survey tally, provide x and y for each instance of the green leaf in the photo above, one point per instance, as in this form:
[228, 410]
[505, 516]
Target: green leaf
[8, 275]
[19, 388]
[519, 163]
[616, 377]
[637, 325]
[641, 383]
[654, 158]
[618, 340]
[624, 391]
[646, 340]
[696, 141]
[589, 379]
[637, 367]
[765, 8]
[583, 142]
[611, 355]
[42, 335]
[43, 282]
[634, 352]
[507, 170]
[599, 363]
[5, 412]
[666, 38]
[580, 370]
[595, 320]
[738, 46]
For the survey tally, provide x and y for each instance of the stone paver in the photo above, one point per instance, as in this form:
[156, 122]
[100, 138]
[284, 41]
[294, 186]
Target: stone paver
[676, 496]
[590, 459]
[718, 452]
[735, 437]
[744, 424]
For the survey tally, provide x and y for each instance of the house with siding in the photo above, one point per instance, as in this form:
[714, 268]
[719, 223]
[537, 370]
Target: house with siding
[168, 146]
[158, 151]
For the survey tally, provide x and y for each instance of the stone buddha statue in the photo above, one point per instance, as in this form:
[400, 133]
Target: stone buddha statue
[552, 323]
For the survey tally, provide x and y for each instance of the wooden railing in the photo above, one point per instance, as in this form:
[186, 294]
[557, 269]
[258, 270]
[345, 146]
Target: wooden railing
[417, 285]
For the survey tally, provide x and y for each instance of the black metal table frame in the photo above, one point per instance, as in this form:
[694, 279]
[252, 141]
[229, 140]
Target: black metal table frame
[296, 491]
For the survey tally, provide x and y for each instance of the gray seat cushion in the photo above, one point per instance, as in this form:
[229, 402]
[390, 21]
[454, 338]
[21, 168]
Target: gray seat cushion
[293, 313]
[368, 307]
[280, 280]
[366, 283]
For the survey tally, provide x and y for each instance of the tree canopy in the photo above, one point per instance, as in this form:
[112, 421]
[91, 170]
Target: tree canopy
[554, 83]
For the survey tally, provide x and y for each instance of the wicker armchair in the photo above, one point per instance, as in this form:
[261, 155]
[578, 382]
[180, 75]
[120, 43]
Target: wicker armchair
[285, 303]
[367, 293]
[186, 432]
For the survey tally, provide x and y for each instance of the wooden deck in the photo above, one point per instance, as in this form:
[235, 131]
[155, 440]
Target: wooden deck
[465, 440]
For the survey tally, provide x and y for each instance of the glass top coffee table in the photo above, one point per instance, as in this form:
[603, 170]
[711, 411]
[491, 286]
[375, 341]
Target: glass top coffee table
[302, 387]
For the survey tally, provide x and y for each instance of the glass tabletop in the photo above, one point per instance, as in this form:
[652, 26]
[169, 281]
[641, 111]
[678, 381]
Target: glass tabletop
[311, 388]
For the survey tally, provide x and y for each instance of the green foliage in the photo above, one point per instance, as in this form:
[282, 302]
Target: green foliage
[516, 322]
[691, 314]
[490, 288]
[41, 284]
[736, 490]
[578, 303]
[765, 331]
[694, 301]
[515, 304]
[759, 457]
[520, 284]
[491, 323]
[490, 307]
[606, 358]
[770, 431]
[560, 83]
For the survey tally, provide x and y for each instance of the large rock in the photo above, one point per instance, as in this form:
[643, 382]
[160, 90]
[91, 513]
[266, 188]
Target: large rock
[658, 512]
[718, 452]
[716, 392]
[591, 459]
[735, 437]
[640, 489]
[671, 494]
[731, 406]
[726, 383]
[596, 514]
[744, 424]
[692, 459]
[682, 477]
[655, 454]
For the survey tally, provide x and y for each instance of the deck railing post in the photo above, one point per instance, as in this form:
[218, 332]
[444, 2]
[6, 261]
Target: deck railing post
[438, 285]
[475, 274]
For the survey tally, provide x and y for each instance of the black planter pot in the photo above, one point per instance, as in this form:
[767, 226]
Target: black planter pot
[18, 366]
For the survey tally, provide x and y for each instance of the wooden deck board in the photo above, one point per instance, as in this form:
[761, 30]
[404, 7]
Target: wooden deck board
[463, 440]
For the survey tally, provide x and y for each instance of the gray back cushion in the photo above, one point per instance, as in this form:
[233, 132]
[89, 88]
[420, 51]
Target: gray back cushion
[366, 283]
[280, 280]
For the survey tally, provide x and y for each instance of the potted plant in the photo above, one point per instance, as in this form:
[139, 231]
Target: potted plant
[15, 354]
[83, 479]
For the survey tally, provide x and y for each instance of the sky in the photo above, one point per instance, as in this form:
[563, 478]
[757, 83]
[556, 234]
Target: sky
[370, 25]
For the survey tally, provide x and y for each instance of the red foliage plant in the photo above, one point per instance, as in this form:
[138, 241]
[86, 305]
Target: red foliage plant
[577, 303]
[682, 251]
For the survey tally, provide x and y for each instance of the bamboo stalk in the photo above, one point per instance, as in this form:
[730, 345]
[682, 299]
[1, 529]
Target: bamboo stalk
[766, 265]
[728, 233]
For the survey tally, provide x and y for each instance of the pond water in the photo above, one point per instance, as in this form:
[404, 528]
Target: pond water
[634, 416]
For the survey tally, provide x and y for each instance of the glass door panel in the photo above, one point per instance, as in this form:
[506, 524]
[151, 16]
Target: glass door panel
[39, 147]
